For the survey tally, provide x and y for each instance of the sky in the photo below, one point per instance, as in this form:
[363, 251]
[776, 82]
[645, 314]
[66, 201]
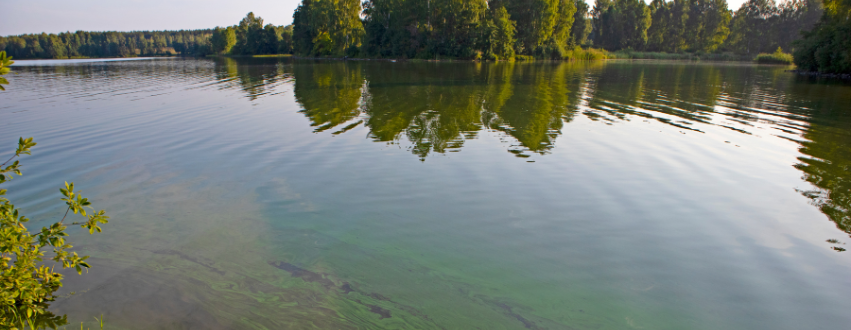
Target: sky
[54, 16]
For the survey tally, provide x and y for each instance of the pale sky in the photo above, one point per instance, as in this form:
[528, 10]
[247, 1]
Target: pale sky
[54, 16]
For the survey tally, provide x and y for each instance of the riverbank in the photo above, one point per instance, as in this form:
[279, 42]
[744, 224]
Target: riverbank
[589, 54]
[92, 57]
[636, 55]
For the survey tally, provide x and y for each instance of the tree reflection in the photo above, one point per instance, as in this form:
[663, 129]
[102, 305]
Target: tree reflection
[255, 77]
[437, 106]
[829, 170]
[330, 93]
[826, 163]
[534, 110]
[677, 95]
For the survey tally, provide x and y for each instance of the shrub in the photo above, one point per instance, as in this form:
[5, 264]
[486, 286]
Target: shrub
[827, 48]
[778, 57]
[588, 54]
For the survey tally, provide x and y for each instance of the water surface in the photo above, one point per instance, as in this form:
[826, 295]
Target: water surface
[273, 193]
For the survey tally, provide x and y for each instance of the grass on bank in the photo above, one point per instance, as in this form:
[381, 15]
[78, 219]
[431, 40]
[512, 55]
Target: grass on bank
[594, 54]
[260, 55]
[637, 55]
[778, 57]
[577, 54]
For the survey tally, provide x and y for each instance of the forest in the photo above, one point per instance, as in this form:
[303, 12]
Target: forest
[492, 29]
[82, 44]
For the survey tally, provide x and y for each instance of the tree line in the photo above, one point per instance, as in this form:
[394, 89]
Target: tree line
[108, 44]
[497, 29]
[468, 29]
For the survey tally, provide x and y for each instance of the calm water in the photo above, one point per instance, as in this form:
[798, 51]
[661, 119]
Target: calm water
[291, 194]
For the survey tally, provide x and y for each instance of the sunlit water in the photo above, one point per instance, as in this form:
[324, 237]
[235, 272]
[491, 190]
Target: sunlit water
[292, 194]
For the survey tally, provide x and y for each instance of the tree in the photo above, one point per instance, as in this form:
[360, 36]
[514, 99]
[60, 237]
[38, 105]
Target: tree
[223, 40]
[710, 24]
[827, 47]
[660, 16]
[752, 26]
[249, 34]
[581, 24]
[546, 25]
[502, 36]
[621, 24]
[327, 27]
[285, 46]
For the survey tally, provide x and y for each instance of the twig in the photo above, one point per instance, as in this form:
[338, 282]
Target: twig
[66, 214]
[13, 157]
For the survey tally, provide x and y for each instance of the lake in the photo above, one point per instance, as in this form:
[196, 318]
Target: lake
[280, 193]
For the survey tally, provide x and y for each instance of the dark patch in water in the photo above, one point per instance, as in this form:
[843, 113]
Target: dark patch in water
[188, 258]
[346, 288]
[378, 296]
[304, 274]
[528, 324]
[382, 313]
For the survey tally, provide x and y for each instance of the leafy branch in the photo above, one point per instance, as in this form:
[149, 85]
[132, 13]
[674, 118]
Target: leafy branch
[27, 285]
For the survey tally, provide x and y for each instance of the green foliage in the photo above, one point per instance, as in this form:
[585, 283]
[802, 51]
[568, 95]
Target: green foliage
[471, 29]
[708, 24]
[760, 26]
[108, 44]
[327, 27]
[27, 285]
[5, 62]
[621, 24]
[223, 40]
[251, 37]
[778, 57]
[637, 55]
[581, 24]
[827, 48]
[588, 54]
[501, 39]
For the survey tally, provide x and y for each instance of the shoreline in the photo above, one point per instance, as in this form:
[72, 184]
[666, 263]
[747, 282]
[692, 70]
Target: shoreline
[845, 76]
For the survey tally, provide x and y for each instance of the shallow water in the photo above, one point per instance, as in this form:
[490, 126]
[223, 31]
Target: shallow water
[273, 193]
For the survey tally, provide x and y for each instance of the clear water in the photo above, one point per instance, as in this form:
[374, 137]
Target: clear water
[272, 193]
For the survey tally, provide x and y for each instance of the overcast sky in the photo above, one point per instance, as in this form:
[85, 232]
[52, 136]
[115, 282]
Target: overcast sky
[53, 16]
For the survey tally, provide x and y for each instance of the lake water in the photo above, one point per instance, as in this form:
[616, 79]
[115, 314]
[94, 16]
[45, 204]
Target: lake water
[276, 193]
